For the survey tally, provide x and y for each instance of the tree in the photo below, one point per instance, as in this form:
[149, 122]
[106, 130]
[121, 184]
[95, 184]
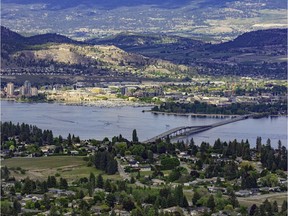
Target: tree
[174, 175]
[179, 196]
[107, 186]
[16, 207]
[258, 144]
[110, 200]
[134, 136]
[100, 181]
[275, 207]
[284, 206]
[195, 198]
[69, 139]
[63, 183]
[169, 163]
[51, 181]
[233, 200]
[231, 171]
[253, 209]
[211, 202]
[113, 213]
[128, 204]
[28, 186]
[92, 180]
[268, 207]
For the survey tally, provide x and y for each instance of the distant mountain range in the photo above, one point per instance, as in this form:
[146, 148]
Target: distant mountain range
[208, 20]
[260, 38]
[245, 55]
[111, 4]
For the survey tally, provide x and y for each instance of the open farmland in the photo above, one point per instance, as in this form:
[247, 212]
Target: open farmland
[40, 168]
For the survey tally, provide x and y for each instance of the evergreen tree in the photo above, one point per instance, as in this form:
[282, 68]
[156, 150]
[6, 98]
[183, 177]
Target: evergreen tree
[211, 203]
[258, 144]
[69, 139]
[63, 183]
[253, 210]
[268, 207]
[100, 181]
[107, 186]
[110, 200]
[113, 213]
[16, 207]
[275, 207]
[284, 206]
[92, 180]
[53, 181]
[178, 194]
[134, 136]
[195, 198]
[128, 204]
[233, 200]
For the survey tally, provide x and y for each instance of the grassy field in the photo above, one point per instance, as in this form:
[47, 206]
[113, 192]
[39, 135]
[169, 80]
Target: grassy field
[248, 201]
[69, 167]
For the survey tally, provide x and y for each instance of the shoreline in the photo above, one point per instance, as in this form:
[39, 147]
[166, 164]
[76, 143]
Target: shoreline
[99, 104]
[120, 104]
[203, 114]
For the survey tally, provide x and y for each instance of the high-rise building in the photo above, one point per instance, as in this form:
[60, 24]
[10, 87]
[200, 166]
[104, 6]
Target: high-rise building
[10, 89]
[22, 91]
[34, 91]
[27, 88]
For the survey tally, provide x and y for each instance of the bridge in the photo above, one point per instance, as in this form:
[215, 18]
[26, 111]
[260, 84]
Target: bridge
[189, 130]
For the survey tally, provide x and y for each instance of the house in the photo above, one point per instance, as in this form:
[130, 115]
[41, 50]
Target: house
[121, 212]
[200, 210]
[134, 163]
[243, 193]
[172, 209]
[157, 182]
[74, 152]
[215, 155]
[145, 168]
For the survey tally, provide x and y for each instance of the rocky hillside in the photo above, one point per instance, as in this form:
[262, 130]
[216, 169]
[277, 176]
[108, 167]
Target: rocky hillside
[100, 57]
[51, 49]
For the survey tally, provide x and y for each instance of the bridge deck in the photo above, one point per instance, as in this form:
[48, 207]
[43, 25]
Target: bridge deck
[194, 129]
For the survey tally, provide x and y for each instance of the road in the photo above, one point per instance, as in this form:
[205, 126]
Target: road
[126, 176]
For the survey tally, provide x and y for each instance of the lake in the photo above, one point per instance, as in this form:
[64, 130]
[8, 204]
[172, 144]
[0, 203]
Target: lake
[95, 122]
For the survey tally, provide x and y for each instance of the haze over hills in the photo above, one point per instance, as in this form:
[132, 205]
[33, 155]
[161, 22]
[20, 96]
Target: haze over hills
[207, 20]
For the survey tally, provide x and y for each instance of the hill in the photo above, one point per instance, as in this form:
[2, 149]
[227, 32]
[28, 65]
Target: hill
[66, 56]
[146, 41]
[12, 41]
[257, 39]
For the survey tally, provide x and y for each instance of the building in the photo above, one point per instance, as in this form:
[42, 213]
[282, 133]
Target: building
[10, 89]
[34, 91]
[27, 88]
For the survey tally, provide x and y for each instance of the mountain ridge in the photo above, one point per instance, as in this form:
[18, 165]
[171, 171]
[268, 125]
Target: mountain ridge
[151, 53]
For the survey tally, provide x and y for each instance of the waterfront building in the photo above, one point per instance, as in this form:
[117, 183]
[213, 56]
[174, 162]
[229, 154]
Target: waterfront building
[34, 91]
[22, 91]
[10, 89]
[27, 88]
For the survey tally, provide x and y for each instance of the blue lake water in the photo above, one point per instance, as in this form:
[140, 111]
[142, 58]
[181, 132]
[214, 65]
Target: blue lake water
[98, 123]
